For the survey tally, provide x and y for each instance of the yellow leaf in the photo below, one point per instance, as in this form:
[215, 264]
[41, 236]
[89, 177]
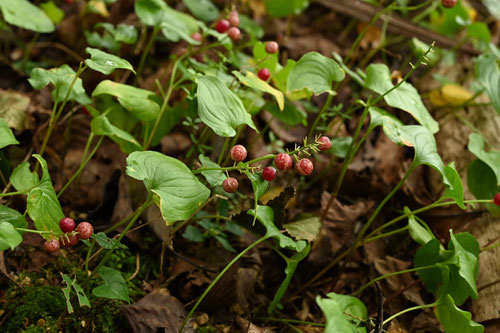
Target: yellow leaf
[454, 94]
[253, 81]
[436, 98]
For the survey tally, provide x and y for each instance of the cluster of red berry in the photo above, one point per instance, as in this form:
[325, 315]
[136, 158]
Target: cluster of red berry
[230, 26]
[271, 48]
[283, 162]
[84, 230]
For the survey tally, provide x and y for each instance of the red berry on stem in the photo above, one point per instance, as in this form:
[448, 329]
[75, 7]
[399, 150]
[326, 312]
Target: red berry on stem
[238, 153]
[234, 33]
[448, 3]
[85, 230]
[496, 199]
[283, 161]
[222, 26]
[272, 47]
[51, 245]
[67, 224]
[269, 173]
[68, 240]
[230, 185]
[264, 74]
[197, 36]
[324, 143]
[304, 166]
[234, 18]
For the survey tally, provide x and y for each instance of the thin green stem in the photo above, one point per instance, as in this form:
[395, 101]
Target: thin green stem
[82, 166]
[33, 231]
[241, 254]
[419, 307]
[87, 146]
[146, 52]
[8, 194]
[223, 169]
[490, 247]
[320, 114]
[386, 234]
[223, 150]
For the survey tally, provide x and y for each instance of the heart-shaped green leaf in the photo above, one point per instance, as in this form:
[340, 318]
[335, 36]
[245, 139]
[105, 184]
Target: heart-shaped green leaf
[491, 158]
[176, 190]
[313, 74]
[101, 125]
[104, 62]
[24, 14]
[250, 80]
[390, 124]
[456, 189]
[455, 320]
[61, 78]
[488, 73]
[6, 135]
[137, 101]
[114, 286]
[214, 177]
[42, 204]
[343, 313]
[219, 108]
[203, 9]
[405, 97]
[9, 237]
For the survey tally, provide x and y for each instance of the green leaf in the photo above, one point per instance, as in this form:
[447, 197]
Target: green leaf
[306, 229]
[54, 13]
[405, 97]
[313, 74]
[253, 81]
[114, 286]
[290, 115]
[13, 217]
[23, 179]
[104, 62]
[176, 190]
[390, 124]
[9, 237]
[214, 177]
[203, 9]
[456, 189]
[193, 234]
[420, 234]
[80, 294]
[124, 33]
[259, 185]
[6, 136]
[24, 14]
[101, 125]
[427, 255]
[219, 108]
[265, 215]
[138, 101]
[482, 182]
[42, 204]
[282, 8]
[488, 74]
[343, 313]
[493, 8]
[491, 158]
[61, 78]
[280, 79]
[340, 145]
[106, 242]
[455, 320]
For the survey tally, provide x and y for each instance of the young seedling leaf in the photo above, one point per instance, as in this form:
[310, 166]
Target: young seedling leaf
[6, 136]
[80, 294]
[313, 74]
[420, 234]
[42, 204]
[455, 320]
[26, 15]
[137, 101]
[214, 177]
[491, 158]
[104, 62]
[456, 189]
[340, 145]
[343, 313]
[219, 108]
[9, 237]
[176, 190]
[106, 242]
[306, 229]
[405, 97]
[488, 73]
[114, 286]
[101, 125]
[250, 80]
[62, 78]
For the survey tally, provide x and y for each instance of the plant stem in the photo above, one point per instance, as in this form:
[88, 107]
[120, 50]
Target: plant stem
[33, 231]
[223, 169]
[416, 269]
[320, 114]
[77, 173]
[146, 52]
[8, 194]
[419, 307]
[241, 254]
[223, 150]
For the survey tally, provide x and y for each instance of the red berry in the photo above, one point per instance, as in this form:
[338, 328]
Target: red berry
[51, 245]
[324, 143]
[222, 26]
[238, 153]
[67, 224]
[496, 199]
[234, 33]
[272, 47]
[234, 19]
[197, 36]
[85, 230]
[230, 185]
[85, 111]
[448, 3]
[264, 74]
[68, 240]
[283, 161]
[268, 173]
[304, 166]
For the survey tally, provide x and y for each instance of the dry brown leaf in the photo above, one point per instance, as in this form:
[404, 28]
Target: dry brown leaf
[248, 327]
